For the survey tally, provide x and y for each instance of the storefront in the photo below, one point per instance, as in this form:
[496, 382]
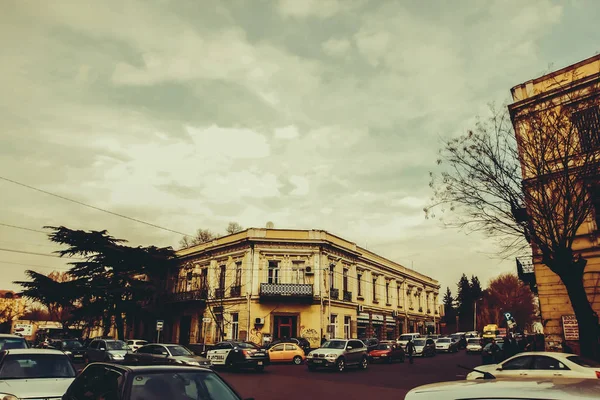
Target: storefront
[379, 329]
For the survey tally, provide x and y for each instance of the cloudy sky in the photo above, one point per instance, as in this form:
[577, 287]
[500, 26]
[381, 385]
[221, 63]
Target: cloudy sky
[323, 114]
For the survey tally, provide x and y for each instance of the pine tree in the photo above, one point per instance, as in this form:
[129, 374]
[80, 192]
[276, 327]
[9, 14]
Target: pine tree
[449, 311]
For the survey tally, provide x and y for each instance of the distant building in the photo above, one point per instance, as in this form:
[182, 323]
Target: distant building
[566, 87]
[266, 284]
[12, 306]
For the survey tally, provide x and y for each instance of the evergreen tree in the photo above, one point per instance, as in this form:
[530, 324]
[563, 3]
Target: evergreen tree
[449, 311]
[464, 302]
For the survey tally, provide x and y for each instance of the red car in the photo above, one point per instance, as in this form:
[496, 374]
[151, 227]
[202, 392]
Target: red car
[388, 352]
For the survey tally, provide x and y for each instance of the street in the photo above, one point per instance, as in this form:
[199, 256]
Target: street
[379, 381]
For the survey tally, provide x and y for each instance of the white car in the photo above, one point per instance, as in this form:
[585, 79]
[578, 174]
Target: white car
[474, 345]
[546, 389]
[35, 374]
[541, 365]
[135, 344]
[403, 339]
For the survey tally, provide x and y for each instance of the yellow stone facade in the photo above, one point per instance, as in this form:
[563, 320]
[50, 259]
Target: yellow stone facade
[553, 299]
[265, 284]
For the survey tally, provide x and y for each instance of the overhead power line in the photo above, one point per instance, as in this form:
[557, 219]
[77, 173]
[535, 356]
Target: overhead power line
[23, 228]
[34, 265]
[93, 207]
[30, 253]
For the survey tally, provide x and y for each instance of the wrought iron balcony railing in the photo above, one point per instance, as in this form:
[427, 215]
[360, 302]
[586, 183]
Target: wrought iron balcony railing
[219, 293]
[192, 295]
[236, 291]
[347, 296]
[334, 293]
[282, 290]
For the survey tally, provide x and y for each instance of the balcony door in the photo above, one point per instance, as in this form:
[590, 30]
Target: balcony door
[285, 326]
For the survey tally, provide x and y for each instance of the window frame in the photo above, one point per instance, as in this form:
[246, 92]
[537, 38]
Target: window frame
[529, 366]
[273, 275]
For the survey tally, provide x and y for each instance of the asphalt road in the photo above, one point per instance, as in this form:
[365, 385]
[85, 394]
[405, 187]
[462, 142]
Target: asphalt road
[379, 381]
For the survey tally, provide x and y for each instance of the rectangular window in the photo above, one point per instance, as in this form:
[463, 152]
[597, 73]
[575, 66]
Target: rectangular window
[333, 326]
[387, 292]
[345, 282]
[359, 283]
[298, 272]
[375, 289]
[235, 324]
[332, 276]
[273, 272]
[587, 123]
[400, 302]
[347, 320]
[204, 278]
[595, 197]
[238, 274]
[222, 277]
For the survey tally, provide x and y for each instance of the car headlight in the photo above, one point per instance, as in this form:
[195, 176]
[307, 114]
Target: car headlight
[6, 396]
[117, 356]
[384, 355]
[67, 352]
[193, 363]
[331, 356]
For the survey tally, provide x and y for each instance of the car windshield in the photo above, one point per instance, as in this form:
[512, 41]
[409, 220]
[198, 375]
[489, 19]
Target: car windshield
[406, 337]
[334, 344]
[36, 366]
[141, 343]
[12, 343]
[195, 385]
[583, 362]
[419, 342]
[384, 347]
[473, 341]
[179, 351]
[71, 344]
[116, 345]
[444, 341]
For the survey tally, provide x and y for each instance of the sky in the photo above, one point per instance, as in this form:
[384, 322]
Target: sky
[312, 114]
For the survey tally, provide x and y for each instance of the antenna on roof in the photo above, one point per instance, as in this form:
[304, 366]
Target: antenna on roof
[270, 225]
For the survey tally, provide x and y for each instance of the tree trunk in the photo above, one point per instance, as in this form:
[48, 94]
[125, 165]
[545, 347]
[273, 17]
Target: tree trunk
[587, 318]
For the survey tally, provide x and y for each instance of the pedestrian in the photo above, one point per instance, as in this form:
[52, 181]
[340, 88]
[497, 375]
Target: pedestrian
[495, 351]
[566, 348]
[410, 349]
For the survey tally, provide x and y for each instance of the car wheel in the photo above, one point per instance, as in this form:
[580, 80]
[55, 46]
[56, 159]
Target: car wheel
[340, 365]
[297, 360]
[365, 363]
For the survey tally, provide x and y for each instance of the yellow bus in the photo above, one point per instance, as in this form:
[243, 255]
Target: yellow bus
[491, 331]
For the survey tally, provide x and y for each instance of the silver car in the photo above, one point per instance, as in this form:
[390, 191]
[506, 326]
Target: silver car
[35, 374]
[107, 350]
[338, 354]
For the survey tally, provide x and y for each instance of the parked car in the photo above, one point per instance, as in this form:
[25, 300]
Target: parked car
[125, 382]
[486, 353]
[300, 342]
[371, 343]
[135, 344]
[546, 389]
[338, 354]
[34, 374]
[541, 365]
[234, 354]
[446, 345]
[424, 347]
[474, 345]
[287, 352]
[8, 342]
[461, 338]
[106, 350]
[86, 343]
[433, 337]
[403, 339]
[199, 349]
[71, 347]
[388, 352]
[165, 354]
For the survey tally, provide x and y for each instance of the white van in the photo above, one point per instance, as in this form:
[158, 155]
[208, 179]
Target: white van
[403, 339]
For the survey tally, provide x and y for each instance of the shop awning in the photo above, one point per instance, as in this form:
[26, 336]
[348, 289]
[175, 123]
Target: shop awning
[377, 319]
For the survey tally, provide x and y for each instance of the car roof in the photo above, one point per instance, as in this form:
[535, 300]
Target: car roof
[33, 351]
[10, 336]
[564, 388]
[156, 368]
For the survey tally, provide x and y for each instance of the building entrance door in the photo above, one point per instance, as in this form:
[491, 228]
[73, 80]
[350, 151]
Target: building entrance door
[285, 326]
[185, 324]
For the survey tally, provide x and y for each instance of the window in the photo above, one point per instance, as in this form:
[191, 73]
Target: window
[548, 363]
[356, 344]
[222, 269]
[359, 282]
[235, 324]
[290, 347]
[333, 326]
[277, 347]
[182, 385]
[32, 366]
[387, 292]
[273, 272]
[518, 363]
[400, 299]
[204, 278]
[347, 320]
[345, 280]
[332, 276]
[595, 198]
[298, 272]
[583, 362]
[238, 274]
[375, 289]
[587, 123]
[97, 381]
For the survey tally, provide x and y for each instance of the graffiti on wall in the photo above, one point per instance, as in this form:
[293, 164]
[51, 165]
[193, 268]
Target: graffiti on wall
[256, 336]
[311, 335]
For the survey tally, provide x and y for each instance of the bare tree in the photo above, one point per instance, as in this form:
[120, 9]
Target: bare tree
[531, 187]
[234, 227]
[201, 236]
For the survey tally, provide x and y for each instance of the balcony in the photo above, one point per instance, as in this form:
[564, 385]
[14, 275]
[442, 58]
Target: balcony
[347, 296]
[219, 293]
[296, 292]
[236, 291]
[334, 294]
[188, 296]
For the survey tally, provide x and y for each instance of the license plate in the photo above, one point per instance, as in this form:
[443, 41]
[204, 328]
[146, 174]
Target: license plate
[318, 361]
[260, 363]
[215, 357]
[78, 355]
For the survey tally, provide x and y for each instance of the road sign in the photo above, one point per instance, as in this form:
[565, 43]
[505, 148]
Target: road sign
[206, 320]
[508, 316]
[160, 324]
[23, 329]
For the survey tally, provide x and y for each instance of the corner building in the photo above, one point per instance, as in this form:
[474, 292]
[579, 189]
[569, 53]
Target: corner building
[262, 284]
